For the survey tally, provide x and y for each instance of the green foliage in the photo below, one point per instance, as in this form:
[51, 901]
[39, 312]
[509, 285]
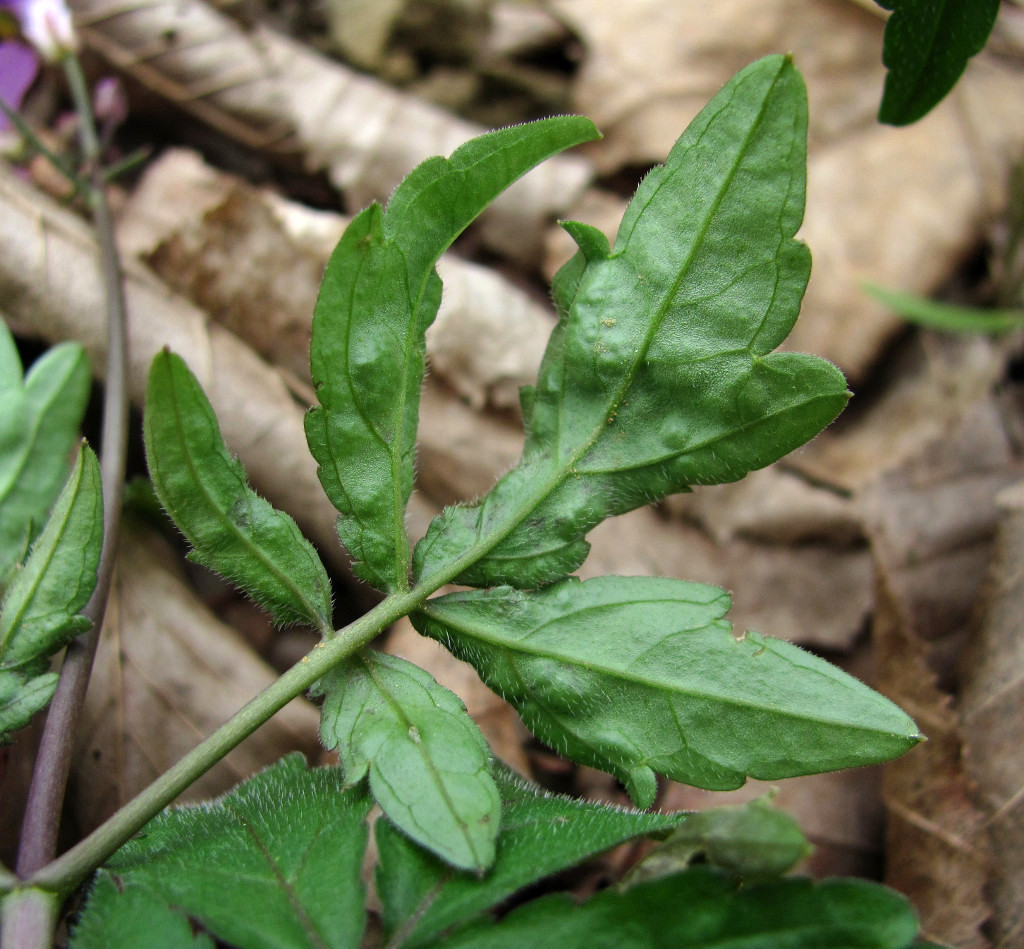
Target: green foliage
[946, 317]
[272, 865]
[39, 420]
[379, 294]
[428, 764]
[637, 675]
[753, 840]
[660, 373]
[39, 613]
[541, 834]
[706, 909]
[927, 46]
[232, 530]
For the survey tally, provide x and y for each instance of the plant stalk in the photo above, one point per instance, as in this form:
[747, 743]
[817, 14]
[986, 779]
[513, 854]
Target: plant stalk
[29, 918]
[53, 764]
[66, 872]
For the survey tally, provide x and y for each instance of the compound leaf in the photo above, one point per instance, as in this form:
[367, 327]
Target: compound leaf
[274, 864]
[39, 420]
[428, 764]
[707, 909]
[541, 834]
[379, 294]
[39, 613]
[638, 675]
[926, 48]
[660, 374]
[232, 529]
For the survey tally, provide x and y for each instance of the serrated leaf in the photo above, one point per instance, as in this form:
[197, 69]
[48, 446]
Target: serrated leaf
[706, 909]
[274, 864]
[39, 612]
[22, 695]
[541, 834]
[753, 840]
[428, 764]
[379, 294]
[660, 374]
[641, 675]
[39, 420]
[926, 48]
[231, 528]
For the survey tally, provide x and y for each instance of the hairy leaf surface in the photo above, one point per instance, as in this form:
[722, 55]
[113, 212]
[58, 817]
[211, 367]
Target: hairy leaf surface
[379, 294]
[232, 529]
[705, 909]
[541, 834]
[39, 420]
[641, 675]
[274, 864]
[660, 374]
[926, 49]
[428, 764]
[40, 611]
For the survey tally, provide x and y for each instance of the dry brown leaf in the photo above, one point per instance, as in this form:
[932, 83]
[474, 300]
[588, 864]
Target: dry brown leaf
[935, 853]
[50, 286]
[274, 93]
[931, 515]
[167, 674]
[992, 706]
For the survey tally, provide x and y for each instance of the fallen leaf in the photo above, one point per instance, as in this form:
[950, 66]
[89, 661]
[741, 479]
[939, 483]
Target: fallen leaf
[992, 706]
[276, 94]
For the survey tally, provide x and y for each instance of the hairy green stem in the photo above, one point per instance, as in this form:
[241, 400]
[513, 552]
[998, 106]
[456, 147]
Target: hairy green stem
[68, 871]
[53, 764]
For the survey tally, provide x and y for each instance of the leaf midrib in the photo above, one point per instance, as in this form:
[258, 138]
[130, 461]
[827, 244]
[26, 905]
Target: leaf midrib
[484, 634]
[319, 622]
[560, 472]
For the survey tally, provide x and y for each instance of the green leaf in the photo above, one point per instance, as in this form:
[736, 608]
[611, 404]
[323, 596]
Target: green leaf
[232, 529]
[660, 373]
[926, 49]
[945, 316]
[379, 294]
[21, 696]
[429, 766]
[753, 840]
[39, 420]
[274, 864]
[706, 909]
[541, 834]
[38, 615]
[637, 675]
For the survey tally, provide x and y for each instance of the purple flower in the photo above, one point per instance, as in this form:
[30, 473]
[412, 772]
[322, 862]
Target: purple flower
[46, 24]
[18, 68]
